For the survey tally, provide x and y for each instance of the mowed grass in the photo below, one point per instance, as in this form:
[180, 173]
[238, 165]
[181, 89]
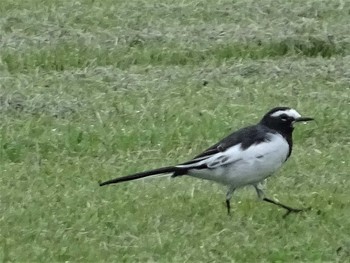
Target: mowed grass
[92, 90]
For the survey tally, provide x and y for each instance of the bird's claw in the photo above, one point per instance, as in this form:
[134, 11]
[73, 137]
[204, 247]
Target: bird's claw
[295, 210]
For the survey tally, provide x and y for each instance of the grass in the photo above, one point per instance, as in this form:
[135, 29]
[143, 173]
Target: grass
[92, 90]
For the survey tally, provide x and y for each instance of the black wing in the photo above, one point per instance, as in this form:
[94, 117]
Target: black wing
[246, 137]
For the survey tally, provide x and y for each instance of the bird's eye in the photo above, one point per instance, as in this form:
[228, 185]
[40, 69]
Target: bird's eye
[284, 118]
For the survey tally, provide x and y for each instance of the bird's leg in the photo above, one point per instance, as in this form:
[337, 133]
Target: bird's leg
[289, 209]
[228, 205]
[228, 199]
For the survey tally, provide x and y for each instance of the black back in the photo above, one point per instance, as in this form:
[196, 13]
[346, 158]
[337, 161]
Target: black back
[246, 137]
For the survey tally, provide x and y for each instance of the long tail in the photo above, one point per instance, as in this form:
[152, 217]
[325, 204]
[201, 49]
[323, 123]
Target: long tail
[163, 170]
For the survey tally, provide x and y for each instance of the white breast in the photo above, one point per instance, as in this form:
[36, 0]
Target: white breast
[237, 167]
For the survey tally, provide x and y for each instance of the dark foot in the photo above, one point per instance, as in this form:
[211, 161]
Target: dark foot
[228, 205]
[294, 210]
[288, 208]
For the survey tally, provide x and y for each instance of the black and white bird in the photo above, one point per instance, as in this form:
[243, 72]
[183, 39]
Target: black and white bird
[245, 157]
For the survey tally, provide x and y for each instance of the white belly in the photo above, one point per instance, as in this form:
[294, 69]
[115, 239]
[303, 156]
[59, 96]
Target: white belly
[248, 166]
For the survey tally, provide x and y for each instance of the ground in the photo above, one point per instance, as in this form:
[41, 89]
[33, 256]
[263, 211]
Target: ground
[92, 90]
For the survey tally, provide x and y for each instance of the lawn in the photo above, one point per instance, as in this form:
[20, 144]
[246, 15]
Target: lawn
[91, 90]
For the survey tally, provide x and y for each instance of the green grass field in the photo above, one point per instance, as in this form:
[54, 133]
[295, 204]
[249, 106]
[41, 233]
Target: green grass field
[91, 90]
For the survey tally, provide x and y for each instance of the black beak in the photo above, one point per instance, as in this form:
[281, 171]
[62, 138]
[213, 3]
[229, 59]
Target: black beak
[304, 119]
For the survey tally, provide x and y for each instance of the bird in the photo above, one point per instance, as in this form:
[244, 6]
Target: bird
[246, 157]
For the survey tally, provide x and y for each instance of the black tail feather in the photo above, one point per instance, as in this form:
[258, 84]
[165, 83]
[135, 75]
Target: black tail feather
[163, 170]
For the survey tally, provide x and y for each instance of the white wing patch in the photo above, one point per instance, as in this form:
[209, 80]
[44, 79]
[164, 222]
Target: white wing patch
[237, 167]
[290, 112]
[224, 158]
[236, 154]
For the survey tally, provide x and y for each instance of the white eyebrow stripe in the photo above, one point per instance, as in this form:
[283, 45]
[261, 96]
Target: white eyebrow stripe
[290, 112]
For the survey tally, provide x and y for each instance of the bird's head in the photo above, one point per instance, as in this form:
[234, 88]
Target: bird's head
[283, 119]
